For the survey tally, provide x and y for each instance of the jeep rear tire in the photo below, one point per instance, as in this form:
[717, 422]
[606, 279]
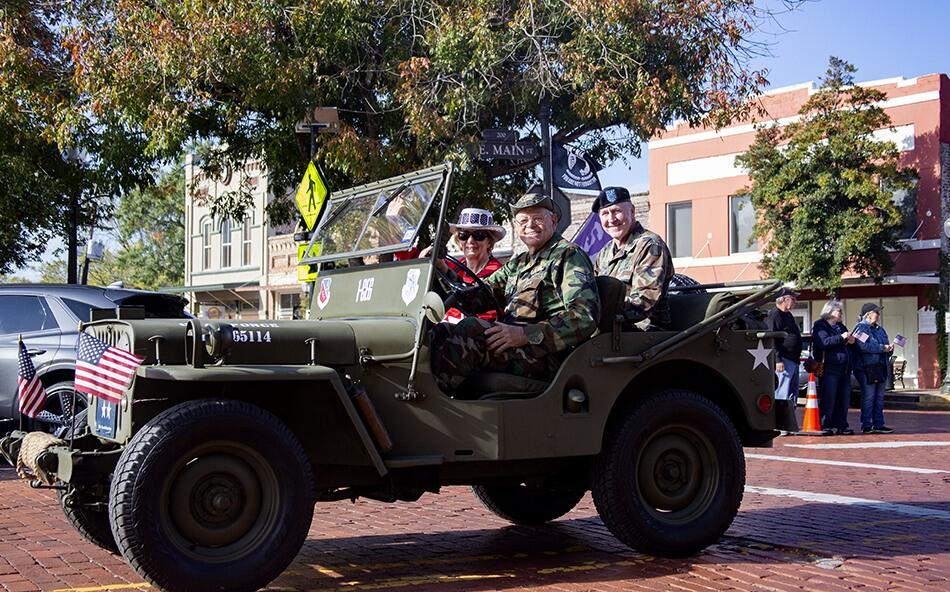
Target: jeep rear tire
[92, 524]
[212, 495]
[670, 477]
[520, 504]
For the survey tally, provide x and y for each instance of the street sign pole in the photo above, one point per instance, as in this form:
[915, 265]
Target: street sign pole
[544, 118]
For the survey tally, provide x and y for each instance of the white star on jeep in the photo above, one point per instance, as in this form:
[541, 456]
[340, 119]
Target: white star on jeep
[761, 355]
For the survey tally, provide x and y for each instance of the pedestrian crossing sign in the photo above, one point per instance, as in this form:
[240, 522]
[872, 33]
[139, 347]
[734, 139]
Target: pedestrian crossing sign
[307, 273]
[311, 195]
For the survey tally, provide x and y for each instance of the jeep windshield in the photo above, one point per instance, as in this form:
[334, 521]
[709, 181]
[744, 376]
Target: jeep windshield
[379, 218]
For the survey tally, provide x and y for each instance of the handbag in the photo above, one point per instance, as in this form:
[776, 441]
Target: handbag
[875, 373]
[814, 366]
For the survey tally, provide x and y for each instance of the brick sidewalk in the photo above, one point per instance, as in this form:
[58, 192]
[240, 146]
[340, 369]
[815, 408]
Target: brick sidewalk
[449, 542]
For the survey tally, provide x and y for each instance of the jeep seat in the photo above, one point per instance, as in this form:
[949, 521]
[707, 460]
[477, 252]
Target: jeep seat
[687, 310]
[612, 293]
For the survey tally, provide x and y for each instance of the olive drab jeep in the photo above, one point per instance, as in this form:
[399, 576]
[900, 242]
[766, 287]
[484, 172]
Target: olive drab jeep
[206, 474]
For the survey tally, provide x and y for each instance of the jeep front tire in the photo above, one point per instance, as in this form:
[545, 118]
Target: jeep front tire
[212, 495]
[671, 474]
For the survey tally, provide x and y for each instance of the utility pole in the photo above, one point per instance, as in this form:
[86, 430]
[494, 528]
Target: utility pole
[72, 239]
[545, 120]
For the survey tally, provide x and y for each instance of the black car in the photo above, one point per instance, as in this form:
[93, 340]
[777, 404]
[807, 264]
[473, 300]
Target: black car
[47, 316]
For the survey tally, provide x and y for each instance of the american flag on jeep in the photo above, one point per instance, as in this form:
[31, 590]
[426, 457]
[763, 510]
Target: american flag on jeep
[32, 394]
[103, 371]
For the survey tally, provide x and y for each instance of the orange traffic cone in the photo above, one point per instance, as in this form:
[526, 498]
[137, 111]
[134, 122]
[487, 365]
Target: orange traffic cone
[811, 426]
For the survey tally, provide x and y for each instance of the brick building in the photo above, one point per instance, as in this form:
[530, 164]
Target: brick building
[698, 206]
[244, 269]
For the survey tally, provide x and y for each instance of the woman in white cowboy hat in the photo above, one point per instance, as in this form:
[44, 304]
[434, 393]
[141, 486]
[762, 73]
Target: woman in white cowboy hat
[475, 234]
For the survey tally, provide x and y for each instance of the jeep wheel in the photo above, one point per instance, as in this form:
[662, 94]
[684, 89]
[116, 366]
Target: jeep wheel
[212, 495]
[670, 477]
[92, 524]
[57, 410]
[523, 505]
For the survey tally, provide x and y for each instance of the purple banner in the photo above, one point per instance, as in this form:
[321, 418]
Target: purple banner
[591, 236]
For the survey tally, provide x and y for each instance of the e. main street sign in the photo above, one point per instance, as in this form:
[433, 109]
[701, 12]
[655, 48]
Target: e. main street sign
[508, 150]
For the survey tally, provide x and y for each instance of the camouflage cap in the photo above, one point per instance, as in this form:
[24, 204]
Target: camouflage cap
[533, 198]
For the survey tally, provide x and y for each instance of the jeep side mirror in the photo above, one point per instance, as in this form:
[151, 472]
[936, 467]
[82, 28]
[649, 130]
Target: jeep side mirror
[434, 307]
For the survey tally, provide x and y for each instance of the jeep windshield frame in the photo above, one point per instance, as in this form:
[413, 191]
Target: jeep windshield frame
[378, 218]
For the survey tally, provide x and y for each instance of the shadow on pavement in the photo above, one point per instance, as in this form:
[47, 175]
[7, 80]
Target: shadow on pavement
[582, 550]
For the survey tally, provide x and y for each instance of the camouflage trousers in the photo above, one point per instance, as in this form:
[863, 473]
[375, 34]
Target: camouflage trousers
[462, 349]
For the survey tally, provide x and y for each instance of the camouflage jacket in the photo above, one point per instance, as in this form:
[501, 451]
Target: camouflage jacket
[643, 262]
[552, 293]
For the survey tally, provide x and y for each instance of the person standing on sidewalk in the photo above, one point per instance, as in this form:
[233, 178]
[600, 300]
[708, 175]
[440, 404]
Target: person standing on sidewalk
[830, 341]
[875, 350]
[789, 351]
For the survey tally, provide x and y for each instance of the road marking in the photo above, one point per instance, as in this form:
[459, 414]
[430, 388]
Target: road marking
[828, 498]
[413, 581]
[869, 445]
[841, 463]
[137, 586]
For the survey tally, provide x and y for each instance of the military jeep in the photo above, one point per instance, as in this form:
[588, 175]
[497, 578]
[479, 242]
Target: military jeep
[206, 475]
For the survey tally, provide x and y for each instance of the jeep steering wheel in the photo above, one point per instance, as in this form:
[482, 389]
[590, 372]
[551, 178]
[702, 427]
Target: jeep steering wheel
[460, 291]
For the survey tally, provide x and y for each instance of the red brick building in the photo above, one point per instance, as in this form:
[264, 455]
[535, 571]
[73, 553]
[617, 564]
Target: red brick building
[697, 205]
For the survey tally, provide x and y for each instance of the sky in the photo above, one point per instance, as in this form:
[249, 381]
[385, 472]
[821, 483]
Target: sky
[882, 38]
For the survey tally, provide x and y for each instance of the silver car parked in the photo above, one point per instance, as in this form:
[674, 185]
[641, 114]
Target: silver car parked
[47, 317]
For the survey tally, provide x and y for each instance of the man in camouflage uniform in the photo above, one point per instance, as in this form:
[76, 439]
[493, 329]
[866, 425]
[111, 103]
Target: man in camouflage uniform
[637, 257]
[551, 305]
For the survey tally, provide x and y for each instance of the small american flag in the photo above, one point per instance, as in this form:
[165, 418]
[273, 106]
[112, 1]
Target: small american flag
[32, 394]
[103, 371]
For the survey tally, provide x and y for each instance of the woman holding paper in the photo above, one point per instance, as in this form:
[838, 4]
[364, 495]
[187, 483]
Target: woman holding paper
[875, 348]
[830, 341]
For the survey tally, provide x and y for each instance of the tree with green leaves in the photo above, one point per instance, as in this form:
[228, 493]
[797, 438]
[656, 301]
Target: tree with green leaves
[415, 80]
[823, 187]
[150, 232]
[61, 161]
[147, 240]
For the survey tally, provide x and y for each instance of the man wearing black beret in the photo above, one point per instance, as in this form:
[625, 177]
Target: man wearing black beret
[637, 257]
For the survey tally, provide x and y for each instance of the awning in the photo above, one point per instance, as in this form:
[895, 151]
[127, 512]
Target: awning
[209, 287]
[906, 279]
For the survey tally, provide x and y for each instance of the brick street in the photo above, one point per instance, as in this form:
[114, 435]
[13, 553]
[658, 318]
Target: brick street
[881, 522]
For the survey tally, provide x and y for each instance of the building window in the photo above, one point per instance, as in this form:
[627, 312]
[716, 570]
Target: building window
[679, 228]
[741, 223]
[906, 202]
[206, 245]
[246, 242]
[226, 243]
[289, 306]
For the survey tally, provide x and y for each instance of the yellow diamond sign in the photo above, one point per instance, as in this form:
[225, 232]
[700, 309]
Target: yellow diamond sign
[307, 273]
[311, 195]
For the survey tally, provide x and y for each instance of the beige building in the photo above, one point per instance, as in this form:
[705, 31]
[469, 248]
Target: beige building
[237, 269]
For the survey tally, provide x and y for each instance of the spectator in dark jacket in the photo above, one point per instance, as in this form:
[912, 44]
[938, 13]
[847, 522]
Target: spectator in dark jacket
[830, 341]
[875, 351]
[789, 352]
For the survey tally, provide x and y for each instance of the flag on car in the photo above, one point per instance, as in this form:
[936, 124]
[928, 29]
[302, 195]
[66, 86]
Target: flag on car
[30, 389]
[102, 370]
